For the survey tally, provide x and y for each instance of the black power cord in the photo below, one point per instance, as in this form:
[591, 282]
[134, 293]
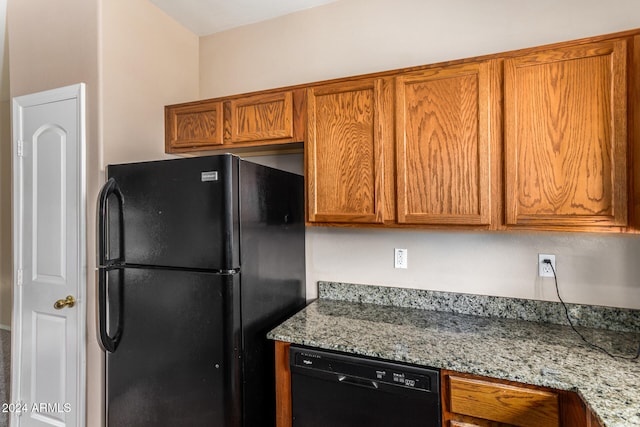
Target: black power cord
[566, 312]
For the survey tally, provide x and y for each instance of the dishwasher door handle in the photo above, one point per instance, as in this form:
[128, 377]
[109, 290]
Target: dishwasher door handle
[357, 381]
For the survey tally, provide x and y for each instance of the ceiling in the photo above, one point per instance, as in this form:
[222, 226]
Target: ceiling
[204, 17]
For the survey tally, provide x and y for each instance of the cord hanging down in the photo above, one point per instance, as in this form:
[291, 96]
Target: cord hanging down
[566, 312]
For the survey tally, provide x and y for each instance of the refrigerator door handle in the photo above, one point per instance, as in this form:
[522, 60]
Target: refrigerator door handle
[107, 342]
[110, 188]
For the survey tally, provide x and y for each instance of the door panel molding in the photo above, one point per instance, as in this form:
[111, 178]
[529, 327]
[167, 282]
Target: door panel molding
[48, 379]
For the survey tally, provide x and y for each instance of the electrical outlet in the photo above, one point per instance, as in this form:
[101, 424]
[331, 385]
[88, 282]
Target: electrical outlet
[400, 258]
[544, 269]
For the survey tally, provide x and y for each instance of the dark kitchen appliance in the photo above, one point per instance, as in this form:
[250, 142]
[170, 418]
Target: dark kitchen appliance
[199, 259]
[340, 390]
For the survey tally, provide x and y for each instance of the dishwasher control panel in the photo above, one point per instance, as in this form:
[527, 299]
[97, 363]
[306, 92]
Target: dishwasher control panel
[372, 370]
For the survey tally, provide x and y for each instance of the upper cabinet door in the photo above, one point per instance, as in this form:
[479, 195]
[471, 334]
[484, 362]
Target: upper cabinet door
[261, 117]
[258, 120]
[344, 151]
[566, 136]
[193, 126]
[443, 141]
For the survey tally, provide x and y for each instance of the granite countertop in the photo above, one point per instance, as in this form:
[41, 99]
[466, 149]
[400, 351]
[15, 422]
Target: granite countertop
[530, 352]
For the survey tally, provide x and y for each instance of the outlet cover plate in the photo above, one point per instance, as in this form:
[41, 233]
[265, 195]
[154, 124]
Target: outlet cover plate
[544, 270]
[400, 258]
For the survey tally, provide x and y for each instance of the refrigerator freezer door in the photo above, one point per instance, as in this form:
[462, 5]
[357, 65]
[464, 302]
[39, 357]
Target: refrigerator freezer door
[177, 213]
[177, 360]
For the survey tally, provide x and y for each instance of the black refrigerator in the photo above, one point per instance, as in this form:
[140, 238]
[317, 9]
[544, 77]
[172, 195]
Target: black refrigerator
[198, 259]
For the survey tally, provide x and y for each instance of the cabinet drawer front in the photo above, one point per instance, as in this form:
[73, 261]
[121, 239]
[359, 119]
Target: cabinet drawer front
[504, 403]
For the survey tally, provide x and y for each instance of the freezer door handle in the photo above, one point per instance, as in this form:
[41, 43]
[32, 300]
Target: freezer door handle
[107, 342]
[104, 245]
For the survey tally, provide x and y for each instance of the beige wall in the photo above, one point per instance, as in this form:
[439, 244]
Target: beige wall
[134, 60]
[148, 61]
[351, 37]
[54, 44]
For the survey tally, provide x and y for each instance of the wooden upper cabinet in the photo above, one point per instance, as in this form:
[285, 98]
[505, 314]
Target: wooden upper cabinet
[194, 125]
[565, 113]
[443, 143]
[239, 121]
[260, 118]
[344, 149]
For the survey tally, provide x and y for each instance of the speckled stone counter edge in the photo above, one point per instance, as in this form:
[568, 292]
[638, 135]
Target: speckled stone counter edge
[600, 317]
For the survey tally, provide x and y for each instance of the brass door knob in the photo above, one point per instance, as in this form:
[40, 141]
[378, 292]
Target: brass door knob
[69, 301]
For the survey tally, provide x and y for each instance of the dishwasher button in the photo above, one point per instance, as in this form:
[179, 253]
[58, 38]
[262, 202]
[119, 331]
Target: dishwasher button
[380, 375]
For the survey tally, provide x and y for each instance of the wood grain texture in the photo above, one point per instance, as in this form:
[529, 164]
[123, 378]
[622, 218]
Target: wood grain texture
[568, 189]
[443, 145]
[193, 126]
[344, 153]
[261, 117]
[634, 131]
[573, 410]
[565, 136]
[455, 423]
[283, 385]
[593, 420]
[260, 120]
[517, 406]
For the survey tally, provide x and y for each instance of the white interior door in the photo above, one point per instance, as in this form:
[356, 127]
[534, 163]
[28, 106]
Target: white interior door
[48, 361]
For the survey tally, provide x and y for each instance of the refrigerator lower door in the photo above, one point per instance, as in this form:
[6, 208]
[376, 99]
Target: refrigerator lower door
[176, 362]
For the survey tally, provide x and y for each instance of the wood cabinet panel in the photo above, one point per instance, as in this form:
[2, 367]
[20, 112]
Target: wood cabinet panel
[443, 131]
[454, 423]
[344, 149]
[193, 125]
[504, 403]
[593, 420]
[283, 385]
[260, 117]
[475, 401]
[634, 130]
[263, 119]
[565, 136]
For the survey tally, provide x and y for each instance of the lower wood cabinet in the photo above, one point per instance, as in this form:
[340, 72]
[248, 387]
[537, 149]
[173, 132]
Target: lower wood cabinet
[472, 401]
[283, 385]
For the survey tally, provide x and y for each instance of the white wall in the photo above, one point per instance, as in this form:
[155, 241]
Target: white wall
[352, 37]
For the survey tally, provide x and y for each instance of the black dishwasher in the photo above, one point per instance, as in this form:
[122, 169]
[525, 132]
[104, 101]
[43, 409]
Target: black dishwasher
[340, 390]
